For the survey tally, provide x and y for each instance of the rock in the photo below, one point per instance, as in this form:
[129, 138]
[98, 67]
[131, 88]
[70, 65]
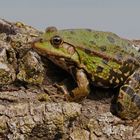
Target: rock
[37, 119]
[7, 27]
[15, 55]
[79, 134]
[108, 128]
[31, 69]
[7, 64]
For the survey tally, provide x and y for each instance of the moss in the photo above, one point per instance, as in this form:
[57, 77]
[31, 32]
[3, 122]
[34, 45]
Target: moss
[43, 97]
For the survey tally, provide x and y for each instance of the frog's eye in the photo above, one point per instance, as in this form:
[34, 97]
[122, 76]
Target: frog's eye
[56, 41]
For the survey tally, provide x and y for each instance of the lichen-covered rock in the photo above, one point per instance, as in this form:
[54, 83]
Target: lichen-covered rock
[31, 69]
[80, 134]
[15, 57]
[107, 126]
[22, 39]
[8, 63]
[31, 120]
[7, 27]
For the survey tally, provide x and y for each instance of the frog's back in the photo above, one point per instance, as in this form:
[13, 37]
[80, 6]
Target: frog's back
[104, 42]
[104, 55]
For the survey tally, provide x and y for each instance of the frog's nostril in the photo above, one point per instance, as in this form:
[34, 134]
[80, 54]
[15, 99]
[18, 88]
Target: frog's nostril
[56, 41]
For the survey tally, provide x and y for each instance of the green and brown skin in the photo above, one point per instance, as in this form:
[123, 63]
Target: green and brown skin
[101, 58]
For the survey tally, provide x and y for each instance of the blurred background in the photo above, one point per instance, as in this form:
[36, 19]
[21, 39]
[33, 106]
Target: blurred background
[119, 16]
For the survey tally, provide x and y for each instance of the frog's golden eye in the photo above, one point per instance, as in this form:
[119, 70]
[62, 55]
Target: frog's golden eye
[56, 41]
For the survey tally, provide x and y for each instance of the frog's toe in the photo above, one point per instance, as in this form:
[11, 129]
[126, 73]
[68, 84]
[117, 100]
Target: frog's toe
[77, 94]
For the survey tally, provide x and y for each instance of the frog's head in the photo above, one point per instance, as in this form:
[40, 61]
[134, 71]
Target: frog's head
[53, 45]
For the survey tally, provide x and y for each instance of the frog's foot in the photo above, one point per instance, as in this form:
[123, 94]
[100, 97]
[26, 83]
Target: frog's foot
[82, 90]
[128, 102]
[77, 94]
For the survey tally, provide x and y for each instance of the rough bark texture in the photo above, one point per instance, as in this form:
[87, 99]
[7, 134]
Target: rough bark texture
[39, 112]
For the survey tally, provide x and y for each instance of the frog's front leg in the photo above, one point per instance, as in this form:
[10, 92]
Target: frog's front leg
[128, 102]
[82, 89]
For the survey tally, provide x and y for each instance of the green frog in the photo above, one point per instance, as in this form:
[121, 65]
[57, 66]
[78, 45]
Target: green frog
[101, 58]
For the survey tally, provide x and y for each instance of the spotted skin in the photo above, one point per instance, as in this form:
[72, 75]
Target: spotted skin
[100, 58]
[129, 97]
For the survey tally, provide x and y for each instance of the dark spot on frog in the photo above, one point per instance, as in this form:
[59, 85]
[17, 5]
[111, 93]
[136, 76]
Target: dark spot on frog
[136, 100]
[119, 56]
[89, 30]
[72, 32]
[99, 69]
[92, 42]
[69, 37]
[137, 77]
[115, 77]
[118, 107]
[105, 61]
[103, 48]
[85, 62]
[128, 90]
[127, 67]
[132, 54]
[111, 39]
[87, 51]
[124, 69]
[129, 61]
[96, 36]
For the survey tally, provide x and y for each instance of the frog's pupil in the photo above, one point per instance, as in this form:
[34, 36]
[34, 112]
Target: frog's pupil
[56, 40]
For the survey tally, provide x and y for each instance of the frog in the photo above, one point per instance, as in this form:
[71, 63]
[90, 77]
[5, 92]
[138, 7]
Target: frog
[101, 58]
